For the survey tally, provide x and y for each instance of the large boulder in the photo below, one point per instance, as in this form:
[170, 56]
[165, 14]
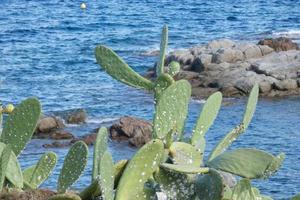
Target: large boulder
[137, 131]
[280, 44]
[73, 116]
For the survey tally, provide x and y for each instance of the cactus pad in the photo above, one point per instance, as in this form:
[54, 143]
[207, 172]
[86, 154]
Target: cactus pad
[4, 159]
[185, 169]
[171, 109]
[106, 176]
[118, 69]
[139, 169]
[186, 154]
[163, 48]
[174, 68]
[210, 186]
[21, 124]
[99, 149]
[73, 166]
[247, 163]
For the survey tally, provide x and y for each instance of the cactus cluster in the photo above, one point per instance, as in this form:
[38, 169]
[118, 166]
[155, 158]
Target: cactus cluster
[182, 172]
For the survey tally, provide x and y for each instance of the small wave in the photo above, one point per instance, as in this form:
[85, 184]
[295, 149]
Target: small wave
[200, 101]
[291, 34]
[103, 120]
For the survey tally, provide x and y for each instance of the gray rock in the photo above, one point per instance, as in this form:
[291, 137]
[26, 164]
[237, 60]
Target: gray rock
[227, 55]
[287, 84]
[48, 124]
[265, 50]
[201, 62]
[222, 43]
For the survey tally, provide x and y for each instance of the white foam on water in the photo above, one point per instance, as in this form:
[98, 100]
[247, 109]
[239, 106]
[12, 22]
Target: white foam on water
[294, 34]
[199, 101]
[101, 120]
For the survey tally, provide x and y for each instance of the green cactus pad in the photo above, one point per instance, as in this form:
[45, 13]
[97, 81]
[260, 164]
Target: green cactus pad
[37, 174]
[99, 149]
[92, 191]
[163, 48]
[247, 163]
[174, 68]
[296, 197]
[171, 109]
[251, 106]
[20, 125]
[226, 141]
[119, 168]
[207, 117]
[106, 176]
[175, 185]
[13, 169]
[119, 70]
[139, 169]
[185, 169]
[238, 130]
[185, 154]
[4, 160]
[66, 196]
[73, 166]
[210, 186]
[243, 191]
[161, 83]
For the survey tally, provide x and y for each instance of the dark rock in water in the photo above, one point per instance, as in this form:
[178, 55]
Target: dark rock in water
[87, 139]
[137, 131]
[57, 144]
[73, 116]
[38, 194]
[61, 135]
[280, 44]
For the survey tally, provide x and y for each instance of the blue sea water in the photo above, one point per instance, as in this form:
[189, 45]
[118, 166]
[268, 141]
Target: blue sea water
[46, 50]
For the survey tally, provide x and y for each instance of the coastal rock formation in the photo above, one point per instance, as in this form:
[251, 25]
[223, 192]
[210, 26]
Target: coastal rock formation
[233, 68]
[73, 116]
[136, 131]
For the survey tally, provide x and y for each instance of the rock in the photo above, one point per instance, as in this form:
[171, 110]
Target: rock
[184, 57]
[87, 139]
[61, 135]
[48, 124]
[265, 50]
[222, 43]
[250, 51]
[227, 55]
[287, 84]
[137, 131]
[201, 62]
[280, 44]
[77, 116]
[57, 144]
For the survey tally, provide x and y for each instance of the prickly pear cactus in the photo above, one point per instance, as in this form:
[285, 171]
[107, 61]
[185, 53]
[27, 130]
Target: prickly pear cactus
[174, 68]
[186, 154]
[4, 159]
[73, 166]
[237, 131]
[34, 176]
[106, 176]
[210, 186]
[99, 149]
[139, 169]
[119, 70]
[119, 168]
[207, 117]
[171, 109]
[163, 49]
[13, 170]
[251, 106]
[243, 191]
[161, 83]
[179, 186]
[66, 196]
[184, 169]
[20, 125]
[247, 163]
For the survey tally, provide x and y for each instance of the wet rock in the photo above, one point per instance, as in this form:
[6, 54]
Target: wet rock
[280, 44]
[73, 116]
[48, 124]
[88, 139]
[137, 131]
[57, 144]
[61, 135]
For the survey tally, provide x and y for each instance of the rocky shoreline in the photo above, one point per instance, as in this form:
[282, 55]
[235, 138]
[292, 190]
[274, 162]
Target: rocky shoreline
[234, 67]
